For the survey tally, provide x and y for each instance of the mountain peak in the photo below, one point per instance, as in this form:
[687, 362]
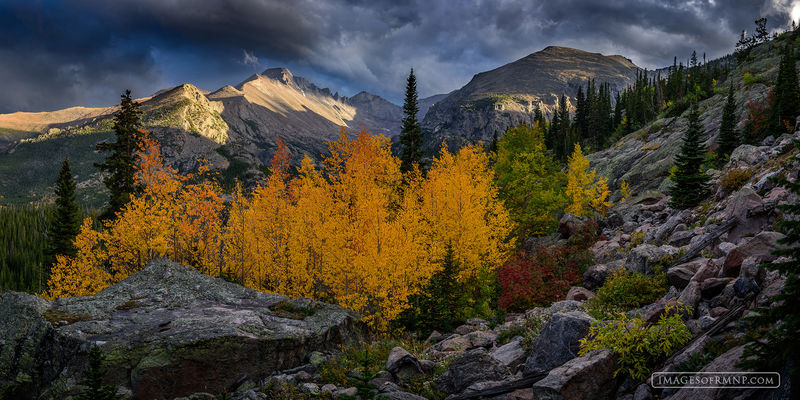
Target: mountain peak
[279, 74]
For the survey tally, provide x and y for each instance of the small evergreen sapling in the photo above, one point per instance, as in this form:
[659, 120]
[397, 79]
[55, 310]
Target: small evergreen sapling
[96, 390]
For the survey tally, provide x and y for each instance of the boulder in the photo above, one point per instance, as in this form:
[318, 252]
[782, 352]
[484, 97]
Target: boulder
[713, 286]
[402, 396]
[453, 343]
[746, 156]
[471, 367]
[726, 362]
[679, 276]
[481, 339]
[558, 341]
[709, 269]
[402, 365]
[570, 225]
[167, 331]
[578, 293]
[690, 295]
[642, 258]
[680, 238]
[510, 354]
[745, 286]
[595, 276]
[590, 376]
[565, 306]
[761, 246]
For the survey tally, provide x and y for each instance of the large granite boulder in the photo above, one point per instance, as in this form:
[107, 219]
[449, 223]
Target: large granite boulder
[644, 257]
[166, 331]
[558, 341]
[472, 367]
[590, 376]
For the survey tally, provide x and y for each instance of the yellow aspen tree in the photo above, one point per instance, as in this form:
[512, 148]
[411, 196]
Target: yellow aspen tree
[82, 275]
[624, 191]
[585, 191]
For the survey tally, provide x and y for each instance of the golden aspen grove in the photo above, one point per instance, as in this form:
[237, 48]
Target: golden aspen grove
[355, 232]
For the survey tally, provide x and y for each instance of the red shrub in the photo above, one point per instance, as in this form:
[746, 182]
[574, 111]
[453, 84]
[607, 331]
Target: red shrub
[541, 277]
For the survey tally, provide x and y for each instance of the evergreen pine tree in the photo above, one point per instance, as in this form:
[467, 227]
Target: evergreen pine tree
[120, 165]
[772, 340]
[66, 223]
[787, 93]
[493, 145]
[690, 182]
[728, 138]
[94, 379]
[411, 134]
[441, 302]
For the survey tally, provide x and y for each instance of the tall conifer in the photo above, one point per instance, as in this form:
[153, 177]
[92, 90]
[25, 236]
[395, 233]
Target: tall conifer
[120, 165]
[787, 93]
[411, 134]
[690, 182]
[66, 223]
[728, 138]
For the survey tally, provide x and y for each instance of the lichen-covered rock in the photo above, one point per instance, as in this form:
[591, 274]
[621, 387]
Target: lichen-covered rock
[510, 354]
[402, 365]
[644, 257]
[167, 331]
[590, 376]
[558, 341]
[472, 367]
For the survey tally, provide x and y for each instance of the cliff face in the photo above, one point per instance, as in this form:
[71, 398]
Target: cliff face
[494, 100]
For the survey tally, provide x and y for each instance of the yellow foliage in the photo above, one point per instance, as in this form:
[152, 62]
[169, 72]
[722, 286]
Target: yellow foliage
[586, 192]
[624, 190]
[353, 233]
[83, 275]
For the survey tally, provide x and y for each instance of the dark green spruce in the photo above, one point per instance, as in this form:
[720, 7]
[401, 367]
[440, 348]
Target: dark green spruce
[410, 133]
[728, 137]
[440, 305]
[93, 379]
[787, 94]
[772, 340]
[66, 223]
[120, 166]
[690, 182]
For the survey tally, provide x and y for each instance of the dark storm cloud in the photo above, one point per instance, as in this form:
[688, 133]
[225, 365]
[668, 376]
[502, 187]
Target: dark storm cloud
[56, 54]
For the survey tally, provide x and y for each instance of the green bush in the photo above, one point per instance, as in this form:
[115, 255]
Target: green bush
[625, 290]
[733, 179]
[637, 344]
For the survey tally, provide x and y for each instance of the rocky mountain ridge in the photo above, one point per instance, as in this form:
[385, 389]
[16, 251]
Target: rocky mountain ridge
[234, 127]
[506, 96]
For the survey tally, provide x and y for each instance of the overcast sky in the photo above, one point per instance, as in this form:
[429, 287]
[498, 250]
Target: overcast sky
[56, 54]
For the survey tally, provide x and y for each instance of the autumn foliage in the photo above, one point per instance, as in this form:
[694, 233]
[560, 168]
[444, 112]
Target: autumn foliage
[353, 232]
[587, 192]
[545, 274]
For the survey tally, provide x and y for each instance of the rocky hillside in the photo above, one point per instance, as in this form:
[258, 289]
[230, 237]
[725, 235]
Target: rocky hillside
[235, 128]
[506, 96]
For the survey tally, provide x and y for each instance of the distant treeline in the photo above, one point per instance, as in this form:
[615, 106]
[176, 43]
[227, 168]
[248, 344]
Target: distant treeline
[24, 259]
